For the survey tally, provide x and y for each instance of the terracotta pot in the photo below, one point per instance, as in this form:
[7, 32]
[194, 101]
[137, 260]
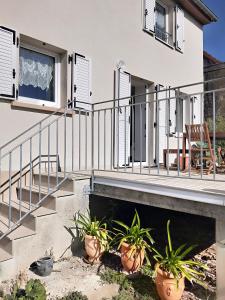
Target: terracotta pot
[167, 286]
[131, 259]
[93, 248]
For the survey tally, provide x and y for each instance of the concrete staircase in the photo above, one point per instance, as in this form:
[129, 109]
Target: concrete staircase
[43, 229]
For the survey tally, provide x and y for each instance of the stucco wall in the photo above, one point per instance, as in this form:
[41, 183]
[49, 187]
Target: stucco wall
[105, 31]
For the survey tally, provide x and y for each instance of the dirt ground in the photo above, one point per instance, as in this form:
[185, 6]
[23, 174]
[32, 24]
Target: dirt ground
[73, 274]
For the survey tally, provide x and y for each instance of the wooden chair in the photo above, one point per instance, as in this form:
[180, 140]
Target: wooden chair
[199, 133]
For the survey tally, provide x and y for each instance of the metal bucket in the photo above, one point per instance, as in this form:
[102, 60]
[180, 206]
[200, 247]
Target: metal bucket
[43, 266]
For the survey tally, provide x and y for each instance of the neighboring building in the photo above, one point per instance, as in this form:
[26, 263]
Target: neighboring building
[209, 60]
[215, 69]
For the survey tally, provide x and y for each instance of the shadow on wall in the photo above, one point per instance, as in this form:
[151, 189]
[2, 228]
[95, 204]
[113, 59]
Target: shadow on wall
[185, 228]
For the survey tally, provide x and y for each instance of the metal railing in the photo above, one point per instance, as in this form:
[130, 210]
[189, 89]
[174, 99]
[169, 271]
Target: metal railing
[146, 133]
[42, 156]
[140, 134]
[164, 36]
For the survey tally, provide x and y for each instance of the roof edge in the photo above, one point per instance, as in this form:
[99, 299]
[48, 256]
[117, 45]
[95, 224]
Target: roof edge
[208, 12]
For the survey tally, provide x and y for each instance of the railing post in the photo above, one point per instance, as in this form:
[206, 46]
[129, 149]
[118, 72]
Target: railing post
[92, 147]
[214, 135]
[65, 144]
[39, 183]
[10, 189]
[31, 174]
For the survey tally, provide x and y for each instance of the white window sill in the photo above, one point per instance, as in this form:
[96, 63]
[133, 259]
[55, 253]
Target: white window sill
[35, 107]
[165, 43]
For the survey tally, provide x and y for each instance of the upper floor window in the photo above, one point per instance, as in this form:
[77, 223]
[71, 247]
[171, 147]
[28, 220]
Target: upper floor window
[159, 20]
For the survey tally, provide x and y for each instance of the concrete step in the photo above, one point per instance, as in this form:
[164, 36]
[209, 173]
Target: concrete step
[51, 179]
[4, 255]
[68, 185]
[21, 231]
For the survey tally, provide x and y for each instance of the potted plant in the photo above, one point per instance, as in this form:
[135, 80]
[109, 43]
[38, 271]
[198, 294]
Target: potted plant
[94, 234]
[172, 269]
[133, 241]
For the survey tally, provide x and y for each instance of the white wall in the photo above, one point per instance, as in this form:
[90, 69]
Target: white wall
[106, 31]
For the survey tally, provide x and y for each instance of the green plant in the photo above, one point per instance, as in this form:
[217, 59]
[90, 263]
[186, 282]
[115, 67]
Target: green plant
[174, 262]
[34, 290]
[138, 238]
[74, 296]
[93, 227]
[139, 287]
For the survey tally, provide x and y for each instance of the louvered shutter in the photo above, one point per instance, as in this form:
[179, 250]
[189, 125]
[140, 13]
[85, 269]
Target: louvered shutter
[122, 129]
[8, 62]
[172, 109]
[81, 82]
[149, 15]
[195, 109]
[179, 29]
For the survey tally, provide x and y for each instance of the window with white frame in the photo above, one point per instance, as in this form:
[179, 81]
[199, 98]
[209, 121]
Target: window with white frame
[38, 76]
[159, 21]
[30, 73]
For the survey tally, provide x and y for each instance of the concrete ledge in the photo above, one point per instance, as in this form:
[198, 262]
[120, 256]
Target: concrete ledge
[159, 200]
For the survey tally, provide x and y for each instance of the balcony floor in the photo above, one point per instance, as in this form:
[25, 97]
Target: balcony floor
[193, 188]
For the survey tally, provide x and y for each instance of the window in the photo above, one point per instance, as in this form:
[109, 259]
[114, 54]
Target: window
[38, 78]
[160, 21]
[165, 22]
[161, 26]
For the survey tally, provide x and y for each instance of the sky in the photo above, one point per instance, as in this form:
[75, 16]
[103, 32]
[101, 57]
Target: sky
[214, 33]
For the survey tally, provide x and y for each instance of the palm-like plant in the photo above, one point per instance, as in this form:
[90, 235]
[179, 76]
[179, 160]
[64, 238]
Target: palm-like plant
[139, 238]
[174, 262]
[93, 227]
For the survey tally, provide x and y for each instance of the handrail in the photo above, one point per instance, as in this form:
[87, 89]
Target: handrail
[26, 166]
[163, 90]
[59, 110]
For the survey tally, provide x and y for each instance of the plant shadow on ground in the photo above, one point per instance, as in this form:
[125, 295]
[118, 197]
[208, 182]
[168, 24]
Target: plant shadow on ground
[199, 291]
[132, 287]
[140, 286]
[136, 286]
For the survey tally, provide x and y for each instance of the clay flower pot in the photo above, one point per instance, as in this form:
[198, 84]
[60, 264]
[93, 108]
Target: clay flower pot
[167, 286]
[93, 248]
[131, 259]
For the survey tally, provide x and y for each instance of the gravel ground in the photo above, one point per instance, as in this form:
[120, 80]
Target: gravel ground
[73, 273]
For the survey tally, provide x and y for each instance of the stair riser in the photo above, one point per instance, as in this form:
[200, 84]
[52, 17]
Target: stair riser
[7, 245]
[49, 202]
[45, 182]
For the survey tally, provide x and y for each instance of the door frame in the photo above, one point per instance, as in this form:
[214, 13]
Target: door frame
[146, 162]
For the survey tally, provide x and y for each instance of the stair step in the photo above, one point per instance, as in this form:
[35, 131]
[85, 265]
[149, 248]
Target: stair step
[67, 185]
[19, 232]
[4, 255]
[25, 207]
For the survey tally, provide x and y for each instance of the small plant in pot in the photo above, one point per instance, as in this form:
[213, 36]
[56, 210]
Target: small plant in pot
[94, 234]
[133, 241]
[172, 269]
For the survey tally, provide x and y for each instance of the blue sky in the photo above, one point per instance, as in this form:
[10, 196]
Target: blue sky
[214, 33]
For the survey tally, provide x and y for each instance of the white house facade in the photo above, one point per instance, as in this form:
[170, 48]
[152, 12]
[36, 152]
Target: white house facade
[91, 51]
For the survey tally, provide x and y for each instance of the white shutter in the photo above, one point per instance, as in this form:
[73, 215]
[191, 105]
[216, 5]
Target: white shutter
[8, 60]
[172, 109]
[162, 123]
[179, 29]
[196, 109]
[81, 81]
[149, 15]
[122, 130]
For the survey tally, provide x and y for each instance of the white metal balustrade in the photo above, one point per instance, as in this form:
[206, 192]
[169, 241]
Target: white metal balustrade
[123, 135]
